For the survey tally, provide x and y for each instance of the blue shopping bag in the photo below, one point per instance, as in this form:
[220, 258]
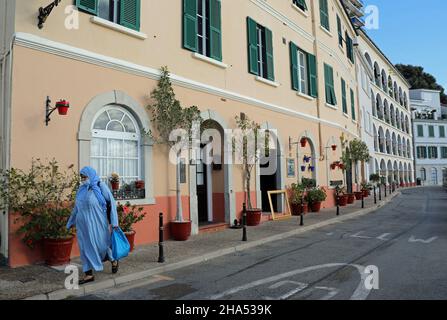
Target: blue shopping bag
[120, 245]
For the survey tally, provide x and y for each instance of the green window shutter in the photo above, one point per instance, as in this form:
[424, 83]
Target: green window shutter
[431, 131]
[130, 14]
[269, 51]
[420, 131]
[340, 32]
[294, 65]
[444, 152]
[313, 78]
[90, 6]
[324, 14]
[330, 90]
[418, 152]
[353, 105]
[329, 80]
[190, 25]
[343, 96]
[442, 131]
[252, 46]
[349, 48]
[215, 30]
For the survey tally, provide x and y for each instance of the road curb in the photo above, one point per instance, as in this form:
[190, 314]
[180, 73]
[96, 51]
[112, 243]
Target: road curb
[116, 282]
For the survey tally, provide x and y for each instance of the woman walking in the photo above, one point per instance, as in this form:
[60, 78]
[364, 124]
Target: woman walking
[90, 218]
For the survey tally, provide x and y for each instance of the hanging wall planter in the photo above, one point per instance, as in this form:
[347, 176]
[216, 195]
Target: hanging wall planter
[62, 107]
[303, 142]
[334, 147]
[303, 168]
[311, 168]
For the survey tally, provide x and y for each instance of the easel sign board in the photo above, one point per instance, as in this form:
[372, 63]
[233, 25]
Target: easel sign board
[279, 215]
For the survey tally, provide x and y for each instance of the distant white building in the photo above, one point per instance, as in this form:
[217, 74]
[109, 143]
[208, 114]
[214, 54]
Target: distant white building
[430, 140]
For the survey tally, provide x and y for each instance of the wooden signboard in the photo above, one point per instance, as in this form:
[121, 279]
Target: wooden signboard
[279, 215]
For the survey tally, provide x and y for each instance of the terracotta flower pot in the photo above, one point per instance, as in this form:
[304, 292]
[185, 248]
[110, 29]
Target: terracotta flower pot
[366, 193]
[351, 198]
[333, 166]
[254, 217]
[57, 252]
[334, 147]
[358, 195]
[180, 231]
[115, 185]
[139, 184]
[303, 142]
[62, 107]
[296, 209]
[316, 206]
[343, 200]
[131, 238]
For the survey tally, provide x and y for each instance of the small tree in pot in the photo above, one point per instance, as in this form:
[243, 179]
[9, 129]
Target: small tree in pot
[169, 117]
[297, 199]
[43, 198]
[248, 147]
[359, 152]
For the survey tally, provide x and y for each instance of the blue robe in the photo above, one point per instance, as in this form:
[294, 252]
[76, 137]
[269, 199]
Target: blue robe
[90, 218]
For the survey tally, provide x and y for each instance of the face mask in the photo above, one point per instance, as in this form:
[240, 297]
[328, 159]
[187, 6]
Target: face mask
[85, 182]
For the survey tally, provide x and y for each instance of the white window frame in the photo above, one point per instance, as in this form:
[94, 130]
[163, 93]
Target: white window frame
[303, 72]
[204, 37]
[124, 136]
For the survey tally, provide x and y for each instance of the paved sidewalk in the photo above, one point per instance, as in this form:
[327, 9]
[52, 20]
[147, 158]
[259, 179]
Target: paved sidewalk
[44, 283]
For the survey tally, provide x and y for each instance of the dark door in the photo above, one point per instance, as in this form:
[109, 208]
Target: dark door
[349, 179]
[268, 183]
[202, 200]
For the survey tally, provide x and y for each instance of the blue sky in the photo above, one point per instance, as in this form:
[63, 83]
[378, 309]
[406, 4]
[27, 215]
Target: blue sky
[413, 32]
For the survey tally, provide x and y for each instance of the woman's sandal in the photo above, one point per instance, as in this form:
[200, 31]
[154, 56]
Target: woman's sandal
[87, 279]
[115, 266]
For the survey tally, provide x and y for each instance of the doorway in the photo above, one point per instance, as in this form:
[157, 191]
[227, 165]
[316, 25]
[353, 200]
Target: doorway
[269, 182]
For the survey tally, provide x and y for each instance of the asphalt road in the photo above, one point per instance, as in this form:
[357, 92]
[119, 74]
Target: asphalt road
[398, 252]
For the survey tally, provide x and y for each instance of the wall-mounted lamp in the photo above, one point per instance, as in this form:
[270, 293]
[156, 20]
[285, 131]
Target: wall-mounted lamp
[45, 12]
[62, 107]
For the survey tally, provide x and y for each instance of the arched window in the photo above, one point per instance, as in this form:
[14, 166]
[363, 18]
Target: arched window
[115, 145]
[388, 142]
[402, 121]
[387, 111]
[377, 75]
[379, 107]
[396, 92]
[381, 140]
[394, 142]
[390, 86]
[392, 116]
[373, 104]
[376, 148]
[399, 145]
[384, 81]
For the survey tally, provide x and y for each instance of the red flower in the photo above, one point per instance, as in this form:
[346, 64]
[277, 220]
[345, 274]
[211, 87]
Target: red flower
[126, 210]
[29, 242]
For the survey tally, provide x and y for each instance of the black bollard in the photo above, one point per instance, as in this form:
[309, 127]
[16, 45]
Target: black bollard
[375, 195]
[338, 205]
[161, 257]
[363, 201]
[385, 189]
[244, 223]
[380, 192]
[302, 214]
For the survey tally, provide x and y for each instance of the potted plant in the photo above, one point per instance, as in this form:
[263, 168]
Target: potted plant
[62, 107]
[139, 184]
[312, 168]
[303, 142]
[42, 200]
[315, 197]
[297, 199]
[115, 181]
[128, 216]
[359, 152]
[334, 147]
[340, 196]
[306, 159]
[303, 168]
[168, 116]
[366, 188]
[250, 157]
